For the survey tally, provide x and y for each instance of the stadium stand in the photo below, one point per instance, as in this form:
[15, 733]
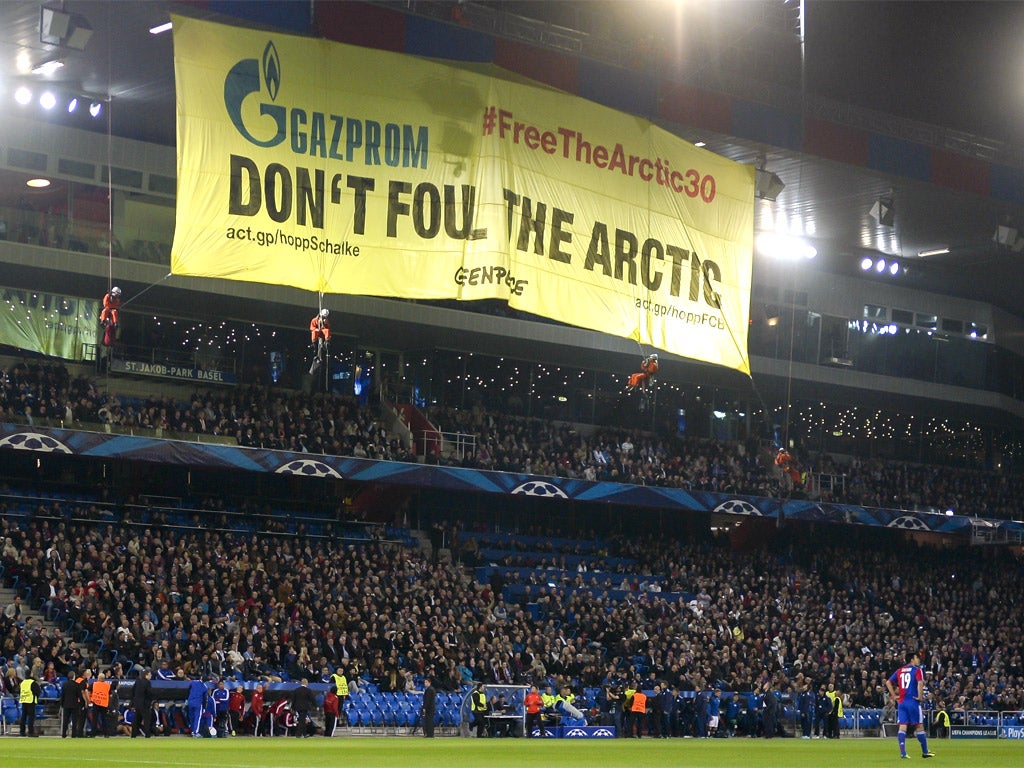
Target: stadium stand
[148, 586]
[111, 566]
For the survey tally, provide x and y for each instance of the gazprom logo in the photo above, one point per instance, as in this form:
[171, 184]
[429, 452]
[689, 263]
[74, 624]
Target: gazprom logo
[315, 133]
[271, 70]
[248, 77]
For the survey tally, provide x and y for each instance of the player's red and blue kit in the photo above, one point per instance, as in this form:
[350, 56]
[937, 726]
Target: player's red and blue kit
[909, 682]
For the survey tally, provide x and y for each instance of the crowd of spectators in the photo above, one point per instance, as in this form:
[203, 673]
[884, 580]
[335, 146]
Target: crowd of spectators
[535, 446]
[336, 425]
[260, 606]
[256, 417]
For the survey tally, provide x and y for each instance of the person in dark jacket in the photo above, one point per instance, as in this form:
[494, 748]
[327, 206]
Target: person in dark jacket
[805, 706]
[72, 705]
[429, 708]
[770, 705]
[142, 703]
[303, 702]
[822, 706]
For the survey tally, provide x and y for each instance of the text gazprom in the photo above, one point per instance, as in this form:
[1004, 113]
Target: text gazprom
[339, 138]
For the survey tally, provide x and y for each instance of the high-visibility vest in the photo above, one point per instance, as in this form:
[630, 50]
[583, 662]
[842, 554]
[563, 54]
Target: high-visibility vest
[100, 696]
[27, 694]
[640, 702]
[627, 699]
[479, 701]
[340, 684]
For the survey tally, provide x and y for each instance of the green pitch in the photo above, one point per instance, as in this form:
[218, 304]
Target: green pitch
[398, 752]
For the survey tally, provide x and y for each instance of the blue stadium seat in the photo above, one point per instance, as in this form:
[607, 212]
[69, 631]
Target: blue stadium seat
[9, 710]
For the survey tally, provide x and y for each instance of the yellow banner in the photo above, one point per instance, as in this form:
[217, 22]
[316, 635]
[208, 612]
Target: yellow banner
[347, 170]
[52, 324]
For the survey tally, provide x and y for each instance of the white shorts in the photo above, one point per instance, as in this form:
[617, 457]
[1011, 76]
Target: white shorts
[713, 721]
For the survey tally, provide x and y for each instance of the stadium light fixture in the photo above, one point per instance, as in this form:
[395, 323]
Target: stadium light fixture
[54, 24]
[67, 30]
[95, 109]
[866, 263]
[767, 185]
[880, 266]
[47, 68]
[23, 96]
[884, 212]
[47, 100]
[785, 247]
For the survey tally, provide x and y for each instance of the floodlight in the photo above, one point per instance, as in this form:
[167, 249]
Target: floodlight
[56, 27]
[767, 185]
[53, 25]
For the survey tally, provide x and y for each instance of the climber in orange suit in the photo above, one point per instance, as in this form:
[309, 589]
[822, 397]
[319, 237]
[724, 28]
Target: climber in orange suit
[647, 372]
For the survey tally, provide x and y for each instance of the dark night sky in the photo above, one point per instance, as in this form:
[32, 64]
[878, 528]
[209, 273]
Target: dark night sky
[956, 64]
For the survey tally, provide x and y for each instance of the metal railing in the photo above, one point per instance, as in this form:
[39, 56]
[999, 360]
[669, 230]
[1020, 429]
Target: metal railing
[443, 444]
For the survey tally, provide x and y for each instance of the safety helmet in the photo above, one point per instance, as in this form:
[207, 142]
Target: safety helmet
[325, 312]
[654, 356]
[115, 291]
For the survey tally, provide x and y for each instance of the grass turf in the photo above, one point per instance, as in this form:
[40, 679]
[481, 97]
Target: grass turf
[398, 752]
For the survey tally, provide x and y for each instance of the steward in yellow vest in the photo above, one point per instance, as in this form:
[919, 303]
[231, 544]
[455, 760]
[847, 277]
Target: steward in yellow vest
[548, 698]
[627, 698]
[30, 693]
[340, 683]
[478, 703]
[941, 721]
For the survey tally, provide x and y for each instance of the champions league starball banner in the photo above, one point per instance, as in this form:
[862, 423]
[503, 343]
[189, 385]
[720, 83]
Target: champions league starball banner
[346, 170]
[458, 480]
